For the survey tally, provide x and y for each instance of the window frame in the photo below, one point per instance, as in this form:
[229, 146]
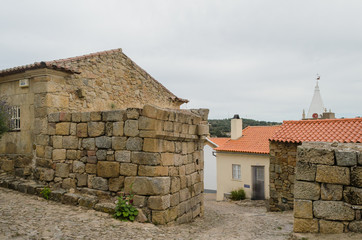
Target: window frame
[15, 118]
[236, 168]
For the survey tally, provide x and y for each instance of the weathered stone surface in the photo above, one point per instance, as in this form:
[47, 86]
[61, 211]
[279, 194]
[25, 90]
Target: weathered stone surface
[131, 128]
[174, 199]
[62, 128]
[329, 227]
[331, 192]
[105, 207]
[305, 171]
[82, 180]
[146, 158]
[184, 194]
[333, 210]
[118, 129]
[57, 141]
[78, 167]
[70, 198]
[352, 195]
[123, 156]
[128, 169]
[104, 142]
[159, 202]
[153, 145]
[95, 129]
[62, 170]
[359, 158]
[48, 175]
[59, 154]
[355, 226]
[7, 165]
[134, 144]
[333, 174]
[305, 225]
[57, 195]
[346, 158]
[312, 154]
[69, 183]
[160, 217]
[82, 130]
[202, 129]
[101, 155]
[99, 183]
[148, 185]
[87, 201]
[107, 169]
[119, 143]
[306, 190]
[91, 168]
[71, 154]
[116, 184]
[70, 142]
[113, 116]
[139, 201]
[175, 184]
[95, 116]
[145, 170]
[303, 208]
[356, 177]
[88, 143]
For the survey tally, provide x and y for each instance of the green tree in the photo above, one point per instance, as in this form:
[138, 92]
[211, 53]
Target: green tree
[4, 117]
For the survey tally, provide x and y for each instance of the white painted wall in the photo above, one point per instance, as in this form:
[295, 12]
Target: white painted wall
[209, 169]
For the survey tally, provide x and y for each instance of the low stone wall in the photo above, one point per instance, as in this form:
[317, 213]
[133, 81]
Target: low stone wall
[16, 164]
[328, 188]
[154, 153]
[283, 158]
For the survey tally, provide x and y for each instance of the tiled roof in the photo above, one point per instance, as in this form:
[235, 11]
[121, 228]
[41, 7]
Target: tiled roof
[60, 65]
[323, 130]
[219, 141]
[255, 139]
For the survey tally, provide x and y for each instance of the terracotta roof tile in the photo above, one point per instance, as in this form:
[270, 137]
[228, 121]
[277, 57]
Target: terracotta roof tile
[219, 141]
[255, 139]
[323, 130]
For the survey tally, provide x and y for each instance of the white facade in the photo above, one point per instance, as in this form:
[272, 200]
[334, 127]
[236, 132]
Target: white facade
[209, 168]
[316, 105]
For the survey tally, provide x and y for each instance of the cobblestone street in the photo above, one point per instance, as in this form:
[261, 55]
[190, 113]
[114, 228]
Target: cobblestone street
[29, 217]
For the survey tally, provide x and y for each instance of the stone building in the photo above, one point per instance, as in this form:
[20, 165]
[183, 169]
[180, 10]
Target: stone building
[100, 81]
[283, 151]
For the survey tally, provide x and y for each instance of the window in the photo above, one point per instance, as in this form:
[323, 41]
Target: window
[236, 172]
[14, 113]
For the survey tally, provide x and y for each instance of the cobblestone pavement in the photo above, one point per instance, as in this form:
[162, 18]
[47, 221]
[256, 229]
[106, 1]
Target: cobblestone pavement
[30, 217]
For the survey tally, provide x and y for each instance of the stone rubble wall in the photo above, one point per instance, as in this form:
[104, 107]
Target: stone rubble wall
[157, 154]
[16, 164]
[283, 158]
[328, 188]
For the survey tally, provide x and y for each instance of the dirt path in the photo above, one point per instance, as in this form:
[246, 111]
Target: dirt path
[29, 217]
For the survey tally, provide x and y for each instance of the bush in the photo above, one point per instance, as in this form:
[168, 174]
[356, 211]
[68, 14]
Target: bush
[45, 192]
[238, 194]
[124, 209]
[4, 117]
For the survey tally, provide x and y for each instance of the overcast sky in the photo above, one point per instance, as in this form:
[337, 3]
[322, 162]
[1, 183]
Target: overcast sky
[255, 58]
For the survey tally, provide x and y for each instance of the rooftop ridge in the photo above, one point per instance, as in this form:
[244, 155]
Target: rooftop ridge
[322, 120]
[101, 53]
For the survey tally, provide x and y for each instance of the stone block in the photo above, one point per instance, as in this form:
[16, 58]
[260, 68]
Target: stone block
[70, 142]
[305, 171]
[148, 185]
[134, 144]
[70, 198]
[185, 194]
[202, 129]
[198, 188]
[356, 176]
[69, 183]
[145, 170]
[128, 169]
[355, 226]
[101, 155]
[306, 190]
[160, 217]
[131, 128]
[315, 155]
[91, 168]
[105, 207]
[330, 227]
[116, 184]
[303, 208]
[346, 158]
[146, 158]
[190, 168]
[333, 210]
[331, 192]
[175, 184]
[53, 117]
[123, 156]
[168, 159]
[85, 116]
[333, 174]
[114, 116]
[119, 143]
[118, 129]
[352, 195]
[7, 165]
[174, 199]
[78, 167]
[62, 128]
[89, 143]
[107, 169]
[305, 225]
[73, 129]
[159, 202]
[57, 195]
[99, 183]
[59, 154]
[152, 145]
[103, 142]
[359, 158]
[88, 201]
[95, 116]
[150, 111]
[57, 141]
[82, 130]
[72, 154]
[133, 113]
[65, 117]
[42, 139]
[145, 123]
[96, 129]
[92, 159]
[76, 117]
[82, 180]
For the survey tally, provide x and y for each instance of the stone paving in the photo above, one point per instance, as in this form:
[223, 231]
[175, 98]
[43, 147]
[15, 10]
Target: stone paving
[30, 217]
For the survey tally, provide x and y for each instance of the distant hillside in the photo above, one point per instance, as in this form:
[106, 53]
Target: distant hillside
[221, 127]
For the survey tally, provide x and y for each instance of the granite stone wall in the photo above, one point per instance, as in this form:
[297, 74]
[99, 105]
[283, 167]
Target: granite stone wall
[328, 188]
[283, 158]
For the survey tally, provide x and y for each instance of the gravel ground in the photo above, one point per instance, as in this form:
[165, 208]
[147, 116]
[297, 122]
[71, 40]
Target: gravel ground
[29, 217]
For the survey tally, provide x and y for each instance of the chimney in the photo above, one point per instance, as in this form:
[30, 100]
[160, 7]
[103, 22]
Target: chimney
[236, 127]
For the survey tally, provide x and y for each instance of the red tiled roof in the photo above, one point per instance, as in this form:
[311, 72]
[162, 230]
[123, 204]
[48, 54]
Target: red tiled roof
[255, 139]
[323, 130]
[219, 141]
